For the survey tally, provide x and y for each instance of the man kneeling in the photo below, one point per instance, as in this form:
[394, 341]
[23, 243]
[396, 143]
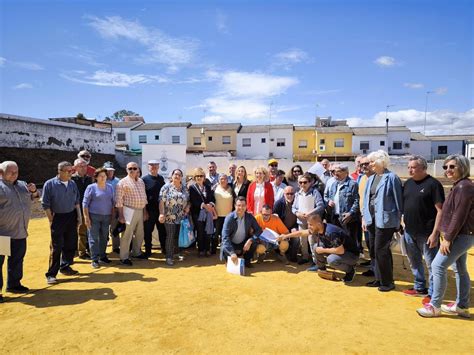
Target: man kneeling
[333, 246]
[239, 233]
[266, 219]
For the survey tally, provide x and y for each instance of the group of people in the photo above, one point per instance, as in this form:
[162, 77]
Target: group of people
[320, 217]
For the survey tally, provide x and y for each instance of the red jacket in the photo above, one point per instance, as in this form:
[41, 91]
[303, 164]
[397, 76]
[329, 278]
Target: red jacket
[267, 196]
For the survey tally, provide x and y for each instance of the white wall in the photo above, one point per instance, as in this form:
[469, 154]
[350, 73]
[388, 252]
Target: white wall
[165, 136]
[127, 131]
[374, 142]
[26, 132]
[171, 156]
[287, 150]
[454, 147]
[422, 148]
[257, 148]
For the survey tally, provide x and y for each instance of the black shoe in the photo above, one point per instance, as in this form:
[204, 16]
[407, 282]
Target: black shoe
[366, 263]
[387, 288]
[126, 262]
[141, 256]
[85, 257]
[147, 254]
[303, 261]
[368, 273]
[18, 289]
[1, 299]
[68, 271]
[250, 266]
[349, 277]
[105, 260]
[116, 250]
[374, 283]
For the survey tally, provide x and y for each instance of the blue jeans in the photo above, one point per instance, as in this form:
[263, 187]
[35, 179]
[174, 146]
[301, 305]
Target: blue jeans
[98, 235]
[440, 264]
[344, 262]
[416, 250]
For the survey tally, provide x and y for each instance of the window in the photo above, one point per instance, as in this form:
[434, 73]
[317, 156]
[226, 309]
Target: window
[397, 145]
[175, 139]
[264, 140]
[322, 141]
[141, 139]
[121, 137]
[303, 143]
[196, 140]
[364, 145]
[225, 139]
[442, 149]
[382, 143]
[280, 142]
[209, 138]
[339, 142]
[246, 142]
[157, 138]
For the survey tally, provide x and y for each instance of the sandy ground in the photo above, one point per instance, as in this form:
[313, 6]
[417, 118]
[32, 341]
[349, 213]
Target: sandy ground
[148, 308]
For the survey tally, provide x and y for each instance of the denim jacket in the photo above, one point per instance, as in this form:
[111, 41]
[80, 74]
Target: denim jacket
[348, 197]
[388, 201]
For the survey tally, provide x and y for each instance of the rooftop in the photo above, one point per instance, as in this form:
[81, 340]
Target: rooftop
[417, 136]
[264, 128]
[447, 137]
[370, 131]
[218, 126]
[129, 124]
[158, 126]
[334, 129]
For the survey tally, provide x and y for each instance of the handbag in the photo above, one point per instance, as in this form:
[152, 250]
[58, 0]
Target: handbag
[186, 234]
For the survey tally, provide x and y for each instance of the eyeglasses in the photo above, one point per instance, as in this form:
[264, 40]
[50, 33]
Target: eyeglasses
[198, 176]
[450, 167]
[266, 215]
[85, 156]
[303, 182]
[132, 168]
[273, 165]
[289, 193]
[363, 164]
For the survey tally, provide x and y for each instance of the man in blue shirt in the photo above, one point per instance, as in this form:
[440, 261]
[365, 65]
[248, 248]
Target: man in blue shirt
[61, 202]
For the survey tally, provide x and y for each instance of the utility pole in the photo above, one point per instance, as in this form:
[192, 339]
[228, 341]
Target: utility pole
[426, 109]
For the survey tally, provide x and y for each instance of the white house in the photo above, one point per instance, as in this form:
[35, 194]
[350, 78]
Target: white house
[265, 141]
[420, 145]
[397, 141]
[121, 132]
[159, 133]
[444, 145]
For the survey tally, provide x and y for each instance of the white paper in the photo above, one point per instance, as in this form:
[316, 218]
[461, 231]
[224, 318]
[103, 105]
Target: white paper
[305, 203]
[5, 245]
[269, 235]
[238, 269]
[317, 169]
[128, 214]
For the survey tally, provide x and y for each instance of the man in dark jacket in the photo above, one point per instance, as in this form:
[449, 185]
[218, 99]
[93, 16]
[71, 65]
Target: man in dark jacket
[239, 235]
[283, 208]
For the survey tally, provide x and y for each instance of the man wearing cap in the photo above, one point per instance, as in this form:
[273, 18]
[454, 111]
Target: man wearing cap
[153, 184]
[130, 197]
[15, 210]
[112, 180]
[82, 180]
[86, 156]
[272, 169]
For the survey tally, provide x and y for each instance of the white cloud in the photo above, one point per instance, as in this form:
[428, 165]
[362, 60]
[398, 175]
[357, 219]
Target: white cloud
[161, 48]
[84, 55]
[2, 61]
[114, 79]
[437, 122]
[441, 91]
[385, 61]
[244, 96]
[23, 86]
[414, 85]
[221, 22]
[22, 65]
[290, 57]
[322, 92]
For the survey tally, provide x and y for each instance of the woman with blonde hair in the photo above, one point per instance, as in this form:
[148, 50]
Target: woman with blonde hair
[241, 183]
[260, 192]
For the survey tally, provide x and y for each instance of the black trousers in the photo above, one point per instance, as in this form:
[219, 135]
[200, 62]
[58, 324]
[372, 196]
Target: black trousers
[379, 240]
[353, 229]
[14, 264]
[149, 226]
[248, 255]
[292, 252]
[203, 239]
[215, 239]
[63, 241]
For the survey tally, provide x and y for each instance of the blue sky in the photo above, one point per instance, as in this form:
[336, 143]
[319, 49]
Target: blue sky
[242, 61]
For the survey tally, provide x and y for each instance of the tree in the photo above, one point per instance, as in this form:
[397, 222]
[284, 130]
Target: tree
[118, 116]
[80, 116]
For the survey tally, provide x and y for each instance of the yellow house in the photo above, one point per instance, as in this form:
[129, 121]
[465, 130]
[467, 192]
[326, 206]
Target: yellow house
[213, 137]
[304, 143]
[334, 143]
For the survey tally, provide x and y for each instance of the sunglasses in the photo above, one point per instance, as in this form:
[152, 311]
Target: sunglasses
[85, 156]
[303, 182]
[450, 167]
[274, 165]
[198, 176]
[132, 168]
[363, 164]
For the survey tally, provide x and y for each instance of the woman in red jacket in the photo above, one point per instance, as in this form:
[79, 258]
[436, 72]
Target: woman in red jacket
[260, 192]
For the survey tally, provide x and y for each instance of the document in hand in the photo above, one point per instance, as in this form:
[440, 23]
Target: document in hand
[305, 203]
[269, 236]
[236, 269]
[5, 245]
[128, 214]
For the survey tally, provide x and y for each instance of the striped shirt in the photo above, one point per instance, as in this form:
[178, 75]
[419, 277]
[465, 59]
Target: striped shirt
[131, 193]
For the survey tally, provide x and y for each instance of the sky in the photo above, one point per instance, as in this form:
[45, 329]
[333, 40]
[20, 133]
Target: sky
[254, 62]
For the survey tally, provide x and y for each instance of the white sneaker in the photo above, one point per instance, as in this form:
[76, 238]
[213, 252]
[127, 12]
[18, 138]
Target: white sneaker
[429, 311]
[51, 280]
[452, 308]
